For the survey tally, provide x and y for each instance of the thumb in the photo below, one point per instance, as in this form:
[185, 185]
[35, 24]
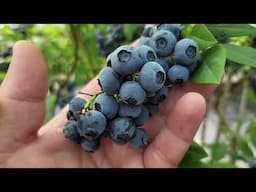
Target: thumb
[26, 78]
[22, 95]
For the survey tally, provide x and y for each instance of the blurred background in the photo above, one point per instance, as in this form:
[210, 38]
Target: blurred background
[75, 53]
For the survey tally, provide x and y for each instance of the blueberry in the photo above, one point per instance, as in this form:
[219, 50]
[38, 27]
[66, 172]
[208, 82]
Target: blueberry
[132, 93]
[143, 117]
[76, 106]
[140, 138]
[195, 64]
[178, 74]
[122, 130]
[173, 28]
[89, 145]
[107, 105]
[152, 77]
[126, 110]
[109, 81]
[186, 51]
[165, 63]
[92, 124]
[152, 108]
[163, 42]
[70, 130]
[109, 39]
[160, 96]
[125, 60]
[146, 53]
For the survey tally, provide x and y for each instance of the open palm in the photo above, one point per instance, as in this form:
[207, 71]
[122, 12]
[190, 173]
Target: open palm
[25, 142]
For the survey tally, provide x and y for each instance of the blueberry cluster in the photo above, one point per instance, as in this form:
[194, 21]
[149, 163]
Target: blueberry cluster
[109, 39]
[133, 83]
[113, 36]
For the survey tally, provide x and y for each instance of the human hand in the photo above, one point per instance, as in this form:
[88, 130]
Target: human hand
[26, 142]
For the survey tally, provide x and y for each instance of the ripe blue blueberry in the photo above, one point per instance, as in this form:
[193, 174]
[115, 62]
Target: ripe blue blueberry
[195, 64]
[126, 110]
[107, 105]
[109, 81]
[163, 42]
[122, 129]
[89, 145]
[178, 74]
[132, 93]
[76, 105]
[70, 130]
[92, 124]
[125, 60]
[186, 51]
[160, 96]
[143, 117]
[165, 63]
[173, 28]
[140, 138]
[146, 53]
[152, 77]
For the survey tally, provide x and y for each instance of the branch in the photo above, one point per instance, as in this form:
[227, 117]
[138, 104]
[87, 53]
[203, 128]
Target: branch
[74, 37]
[242, 109]
[222, 105]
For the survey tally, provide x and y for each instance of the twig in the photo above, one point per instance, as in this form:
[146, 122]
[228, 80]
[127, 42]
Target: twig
[223, 122]
[242, 109]
[75, 41]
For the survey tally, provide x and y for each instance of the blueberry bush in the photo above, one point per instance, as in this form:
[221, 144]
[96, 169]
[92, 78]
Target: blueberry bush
[75, 53]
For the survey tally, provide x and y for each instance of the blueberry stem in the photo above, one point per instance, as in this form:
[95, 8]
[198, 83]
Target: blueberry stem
[89, 104]
[84, 93]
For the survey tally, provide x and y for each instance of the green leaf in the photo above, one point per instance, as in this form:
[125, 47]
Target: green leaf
[202, 36]
[231, 30]
[219, 150]
[2, 75]
[239, 156]
[193, 156]
[212, 66]
[241, 55]
[245, 148]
